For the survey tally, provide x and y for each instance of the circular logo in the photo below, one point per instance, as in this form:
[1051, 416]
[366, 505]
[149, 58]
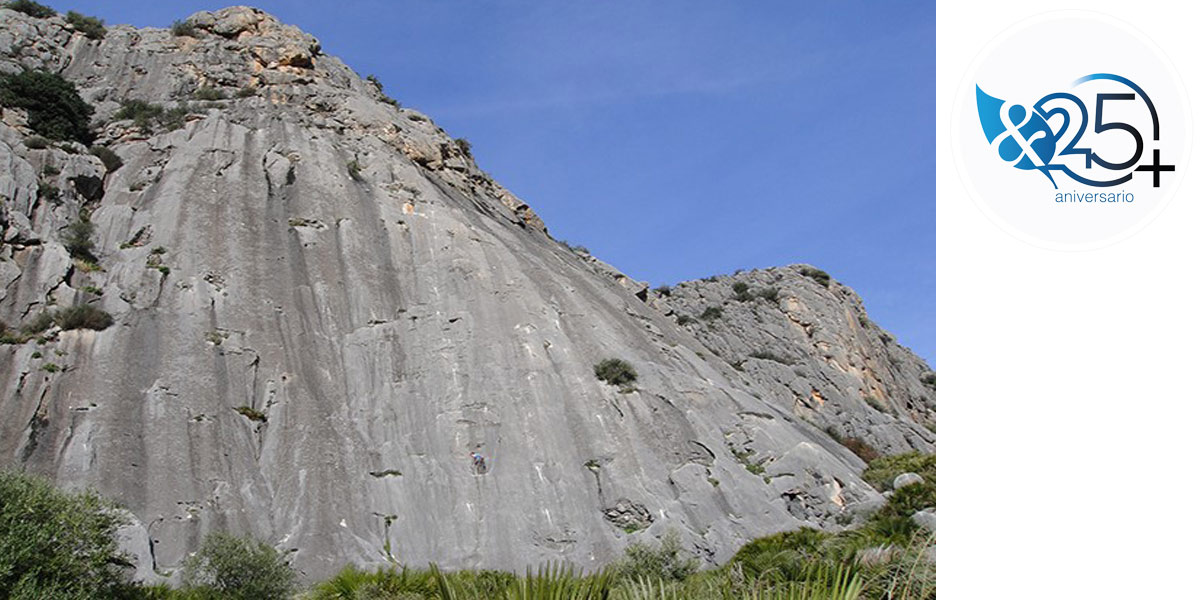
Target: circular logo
[1070, 130]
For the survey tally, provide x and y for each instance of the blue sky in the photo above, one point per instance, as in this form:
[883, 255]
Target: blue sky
[675, 139]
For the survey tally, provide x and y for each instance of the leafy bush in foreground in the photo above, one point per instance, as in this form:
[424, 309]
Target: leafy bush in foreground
[236, 568]
[777, 555]
[55, 544]
[667, 560]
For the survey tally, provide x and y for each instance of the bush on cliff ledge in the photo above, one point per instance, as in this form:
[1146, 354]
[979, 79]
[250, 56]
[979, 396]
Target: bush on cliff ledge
[55, 109]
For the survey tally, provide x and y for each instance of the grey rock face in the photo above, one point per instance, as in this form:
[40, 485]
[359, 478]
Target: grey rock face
[927, 519]
[807, 347]
[906, 479]
[323, 307]
[134, 541]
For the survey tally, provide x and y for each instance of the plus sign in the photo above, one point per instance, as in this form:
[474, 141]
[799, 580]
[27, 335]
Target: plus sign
[1156, 168]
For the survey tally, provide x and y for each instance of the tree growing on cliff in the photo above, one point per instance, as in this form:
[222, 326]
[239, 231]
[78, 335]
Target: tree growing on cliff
[53, 104]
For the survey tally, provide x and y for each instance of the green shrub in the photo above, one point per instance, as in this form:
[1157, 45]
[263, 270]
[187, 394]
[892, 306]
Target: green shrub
[882, 471]
[815, 274]
[615, 371]
[209, 93]
[175, 117]
[876, 404]
[860, 448]
[55, 544]
[92, 27]
[805, 564]
[464, 146]
[78, 240]
[407, 583]
[684, 319]
[355, 170]
[40, 323]
[183, 28]
[771, 356]
[353, 583]
[770, 294]
[140, 111]
[893, 523]
[83, 316]
[111, 161]
[856, 445]
[48, 191]
[741, 292]
[238, 568]
[929, 378]
[87, 266]
[51, 170]
[247, 92]
[36, 142]
[781, 555]
[252, 413]
[664, 561]
[33, 9]
[55, 109]
[711, 313]
[151, 117]
[663, 291]
[910, 499]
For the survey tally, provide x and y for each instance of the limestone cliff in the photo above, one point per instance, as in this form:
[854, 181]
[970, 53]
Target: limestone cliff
[322, 306]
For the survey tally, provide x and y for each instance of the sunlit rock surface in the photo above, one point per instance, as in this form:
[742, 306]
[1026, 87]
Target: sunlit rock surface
[323, 306]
